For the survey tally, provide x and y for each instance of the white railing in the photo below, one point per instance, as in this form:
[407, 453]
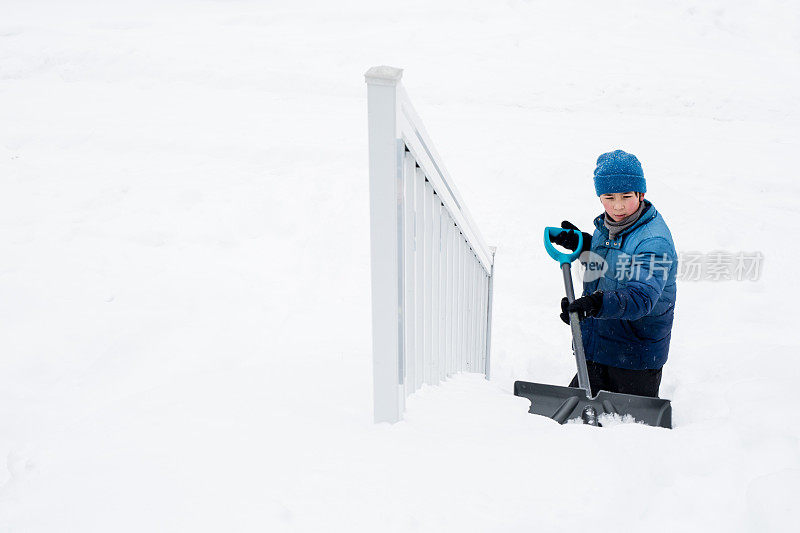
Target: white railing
[431, 270]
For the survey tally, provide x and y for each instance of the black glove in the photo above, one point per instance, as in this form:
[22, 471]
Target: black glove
[569, 240]
[584, 306]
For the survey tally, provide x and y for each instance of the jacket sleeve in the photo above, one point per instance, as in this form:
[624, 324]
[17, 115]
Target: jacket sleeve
[646, 275]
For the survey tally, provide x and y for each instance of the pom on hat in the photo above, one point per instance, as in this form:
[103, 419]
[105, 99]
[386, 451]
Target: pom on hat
[618, 171]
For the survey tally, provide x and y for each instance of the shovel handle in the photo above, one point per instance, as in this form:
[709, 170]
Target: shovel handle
[577, 338]
[561, 257]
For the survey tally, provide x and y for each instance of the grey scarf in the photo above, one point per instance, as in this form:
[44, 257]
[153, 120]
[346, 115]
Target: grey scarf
[615, 228]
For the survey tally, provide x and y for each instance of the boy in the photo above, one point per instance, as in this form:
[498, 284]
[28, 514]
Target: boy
[626, 314]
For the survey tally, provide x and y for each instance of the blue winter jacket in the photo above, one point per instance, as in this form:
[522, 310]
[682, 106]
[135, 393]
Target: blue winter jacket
[633, 328]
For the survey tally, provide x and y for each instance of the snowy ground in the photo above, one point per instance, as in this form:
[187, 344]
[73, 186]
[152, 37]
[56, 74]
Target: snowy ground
[184, 263]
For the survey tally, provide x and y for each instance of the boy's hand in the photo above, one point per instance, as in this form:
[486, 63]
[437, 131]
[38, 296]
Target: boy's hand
[564, 313]
[569, 240]
[585, 306]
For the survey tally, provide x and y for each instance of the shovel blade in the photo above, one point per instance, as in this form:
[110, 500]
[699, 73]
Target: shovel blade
[565, 403]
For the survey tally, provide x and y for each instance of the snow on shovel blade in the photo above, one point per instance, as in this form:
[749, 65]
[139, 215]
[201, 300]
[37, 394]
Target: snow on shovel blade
[565, 403]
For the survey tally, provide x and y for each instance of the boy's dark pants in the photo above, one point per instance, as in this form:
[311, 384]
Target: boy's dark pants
[611, 379]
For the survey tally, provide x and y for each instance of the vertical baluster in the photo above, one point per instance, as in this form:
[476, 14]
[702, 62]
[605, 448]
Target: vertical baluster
[470, 362]
[428, 280]
[477, 320]
[454, 327]
[445, 307]
[467, 306]
[409, 306]
[483, 320]
[435, 284]
[459, 302]
[462, 338]
[485, 326]
[473, 312]
[419, 269]
[442, 290]
[478, 315]
[451, 301]
[489, 313]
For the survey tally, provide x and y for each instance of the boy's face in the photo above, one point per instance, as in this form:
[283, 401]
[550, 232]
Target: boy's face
[621, 204]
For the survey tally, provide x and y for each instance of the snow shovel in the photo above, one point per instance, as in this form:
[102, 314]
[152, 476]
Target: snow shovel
[567, 403]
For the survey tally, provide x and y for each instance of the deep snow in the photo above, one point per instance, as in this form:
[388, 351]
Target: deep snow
[184, 263]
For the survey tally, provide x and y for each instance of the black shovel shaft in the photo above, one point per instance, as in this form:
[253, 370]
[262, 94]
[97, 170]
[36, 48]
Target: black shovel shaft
[577, 339]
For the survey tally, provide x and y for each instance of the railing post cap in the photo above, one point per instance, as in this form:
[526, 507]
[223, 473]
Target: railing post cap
[383, 75]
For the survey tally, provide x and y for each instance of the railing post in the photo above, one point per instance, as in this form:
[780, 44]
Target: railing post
[386, 240]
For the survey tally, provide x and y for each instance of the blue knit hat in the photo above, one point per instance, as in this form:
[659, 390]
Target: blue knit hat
[618, 171]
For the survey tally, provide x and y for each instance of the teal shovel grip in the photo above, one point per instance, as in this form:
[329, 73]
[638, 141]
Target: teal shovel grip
[561, 257]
